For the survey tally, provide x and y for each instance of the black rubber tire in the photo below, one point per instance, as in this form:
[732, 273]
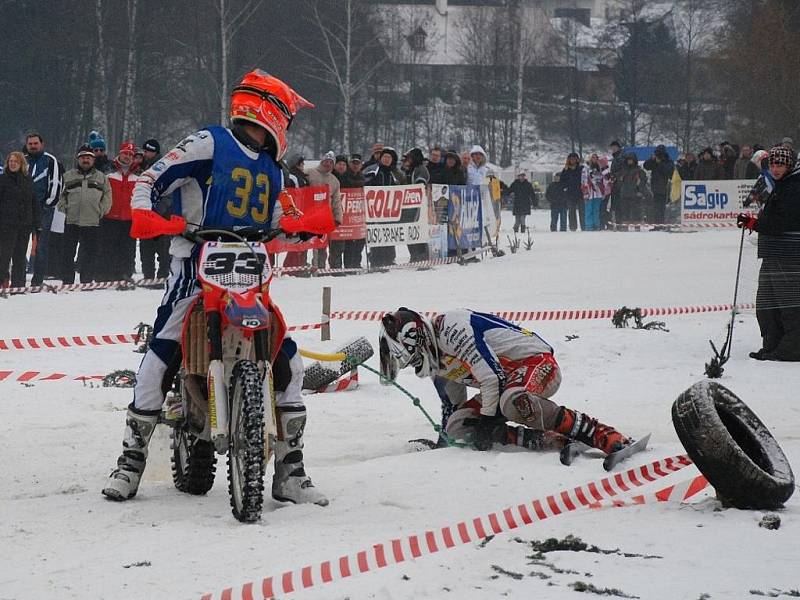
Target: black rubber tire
[246, 465]
[732, 447]
[194, 463]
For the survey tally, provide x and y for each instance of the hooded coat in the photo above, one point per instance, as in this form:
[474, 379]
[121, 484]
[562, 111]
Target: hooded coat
[450, 176]
[477, 174]
[379, 174]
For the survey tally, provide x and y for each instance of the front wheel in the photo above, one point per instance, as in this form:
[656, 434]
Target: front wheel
[246, 464]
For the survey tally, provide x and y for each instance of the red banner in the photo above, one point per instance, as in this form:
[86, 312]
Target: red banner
[307, 200]
[354, 218]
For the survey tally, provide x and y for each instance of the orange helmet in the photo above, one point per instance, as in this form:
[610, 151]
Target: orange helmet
[268, 102]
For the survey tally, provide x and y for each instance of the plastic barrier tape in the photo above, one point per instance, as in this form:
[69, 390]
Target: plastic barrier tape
[432, 541]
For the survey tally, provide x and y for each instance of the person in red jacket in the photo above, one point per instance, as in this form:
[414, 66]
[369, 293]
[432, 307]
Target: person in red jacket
[117, 248]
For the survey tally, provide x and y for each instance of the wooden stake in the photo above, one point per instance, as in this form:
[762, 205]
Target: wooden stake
[325, 331]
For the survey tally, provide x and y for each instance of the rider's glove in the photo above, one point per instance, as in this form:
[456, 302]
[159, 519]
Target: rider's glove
[486, 430]
[149, 224]
[746, 221]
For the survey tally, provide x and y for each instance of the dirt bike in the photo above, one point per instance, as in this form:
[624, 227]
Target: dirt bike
[222, 399]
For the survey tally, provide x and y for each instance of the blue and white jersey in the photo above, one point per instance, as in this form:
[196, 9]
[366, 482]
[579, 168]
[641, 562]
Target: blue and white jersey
[215, 181]
[478, 349]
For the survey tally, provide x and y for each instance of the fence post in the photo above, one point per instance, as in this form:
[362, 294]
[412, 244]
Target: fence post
[325, 330]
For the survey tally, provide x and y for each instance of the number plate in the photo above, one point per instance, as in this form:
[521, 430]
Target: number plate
[234, 265]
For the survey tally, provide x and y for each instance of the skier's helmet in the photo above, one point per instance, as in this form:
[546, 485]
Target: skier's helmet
[406, 339]
[268, 102]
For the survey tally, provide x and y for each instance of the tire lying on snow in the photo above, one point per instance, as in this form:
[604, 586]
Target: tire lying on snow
[732, 447]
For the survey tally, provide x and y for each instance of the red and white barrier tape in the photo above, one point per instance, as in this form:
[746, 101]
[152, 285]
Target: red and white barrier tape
[79, 287]
[557, 315]
[432, 541]
[98, 340]
[27, 376]
[675, 494]
[348, 382]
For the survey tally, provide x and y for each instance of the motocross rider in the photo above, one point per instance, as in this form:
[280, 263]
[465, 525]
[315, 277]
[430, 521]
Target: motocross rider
[218, 177]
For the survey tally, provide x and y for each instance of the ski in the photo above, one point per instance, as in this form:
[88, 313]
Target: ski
[574, 449]
[613, 459]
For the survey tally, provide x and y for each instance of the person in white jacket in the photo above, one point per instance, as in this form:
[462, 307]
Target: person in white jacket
[513, 368]
[477, 171]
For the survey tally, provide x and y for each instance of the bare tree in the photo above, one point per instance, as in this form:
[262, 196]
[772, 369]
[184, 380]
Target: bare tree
[231, 20]
[128, 111]
[101, 116]
[345, 62]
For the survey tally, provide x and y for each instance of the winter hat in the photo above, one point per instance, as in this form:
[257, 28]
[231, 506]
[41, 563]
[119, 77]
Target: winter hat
[152, 145]
[96, 141]
[787, 141]
[355, 158]
[781, 155]
[84, 150]
[329, 155]
[138, 152]
[415, 156]
[391, 152]
[341, 158]
[661, 149]
[127, 147]
[615, 143]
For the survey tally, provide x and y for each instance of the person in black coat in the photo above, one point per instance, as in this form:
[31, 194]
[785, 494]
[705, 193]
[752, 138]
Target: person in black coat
[571, 182]
[661, 168]
[524, 199]
[383, 173]
[20, 215]
[451, 173]
[558, 203]
[778, 226]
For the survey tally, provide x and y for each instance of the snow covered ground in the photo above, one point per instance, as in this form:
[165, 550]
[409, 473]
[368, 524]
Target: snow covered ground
[59, 440]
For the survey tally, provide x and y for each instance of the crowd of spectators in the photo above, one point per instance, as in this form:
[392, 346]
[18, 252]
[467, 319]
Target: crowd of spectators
[80, 219]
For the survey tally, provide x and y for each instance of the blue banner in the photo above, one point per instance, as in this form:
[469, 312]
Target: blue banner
[465, 216]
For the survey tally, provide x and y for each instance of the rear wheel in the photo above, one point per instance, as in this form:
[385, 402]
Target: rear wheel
[193, 462]
[246, 464]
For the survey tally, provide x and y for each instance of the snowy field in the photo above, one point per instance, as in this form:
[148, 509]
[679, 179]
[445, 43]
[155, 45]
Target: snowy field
[59, 440]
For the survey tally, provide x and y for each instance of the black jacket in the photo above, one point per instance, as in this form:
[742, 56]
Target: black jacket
[571, 184]
[19, 208]
[524, 197]
[352, 180]
[555, 195]
[660, 175]
[781, 211]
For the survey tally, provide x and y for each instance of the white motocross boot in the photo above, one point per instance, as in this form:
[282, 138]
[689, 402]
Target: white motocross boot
[123, 483]
[290, 482]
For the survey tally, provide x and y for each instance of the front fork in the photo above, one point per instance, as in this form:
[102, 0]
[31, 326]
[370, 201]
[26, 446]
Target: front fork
[217, 387]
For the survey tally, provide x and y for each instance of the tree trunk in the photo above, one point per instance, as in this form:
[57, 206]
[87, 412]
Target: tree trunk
[347, 92]
[102, 80]
[128, 114]
[223, 62]
[520, 87]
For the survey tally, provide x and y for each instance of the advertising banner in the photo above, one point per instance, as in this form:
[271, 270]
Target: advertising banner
[354, 216]
[465, 215]
[307, 199]
[713, 202]
[396, 215]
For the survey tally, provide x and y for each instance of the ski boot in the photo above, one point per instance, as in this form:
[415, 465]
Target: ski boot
[123, 483]
[290, 482]
[582, 428]
[534, 439]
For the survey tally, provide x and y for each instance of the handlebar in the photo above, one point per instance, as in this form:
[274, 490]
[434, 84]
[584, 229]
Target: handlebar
[245, 234]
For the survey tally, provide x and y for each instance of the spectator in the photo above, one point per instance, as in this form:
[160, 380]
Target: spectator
[633, 192]
[617, 162]
[340, 167]
[686, 166]
[323, 175]
[745, 168]
[477, 171]
[451, 172]
[778, 226]
[152, 152]
[43, 169]
[787, 142]
[138, 159]
[85, 199]
[728, 155]
[708, 168]
[416, 172]
[297, 173]
[435, 163]
[593, 186]
[571, 178]
[20, 215]
[101, 161]
[116, 243]
[383, 173]
[524, 199]
[558, 203]
[375, 156]
[661, 168]
[354, 178]
[157, 247]
[297, 179]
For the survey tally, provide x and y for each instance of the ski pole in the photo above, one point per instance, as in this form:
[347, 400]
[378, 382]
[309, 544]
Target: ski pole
[729, 340]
